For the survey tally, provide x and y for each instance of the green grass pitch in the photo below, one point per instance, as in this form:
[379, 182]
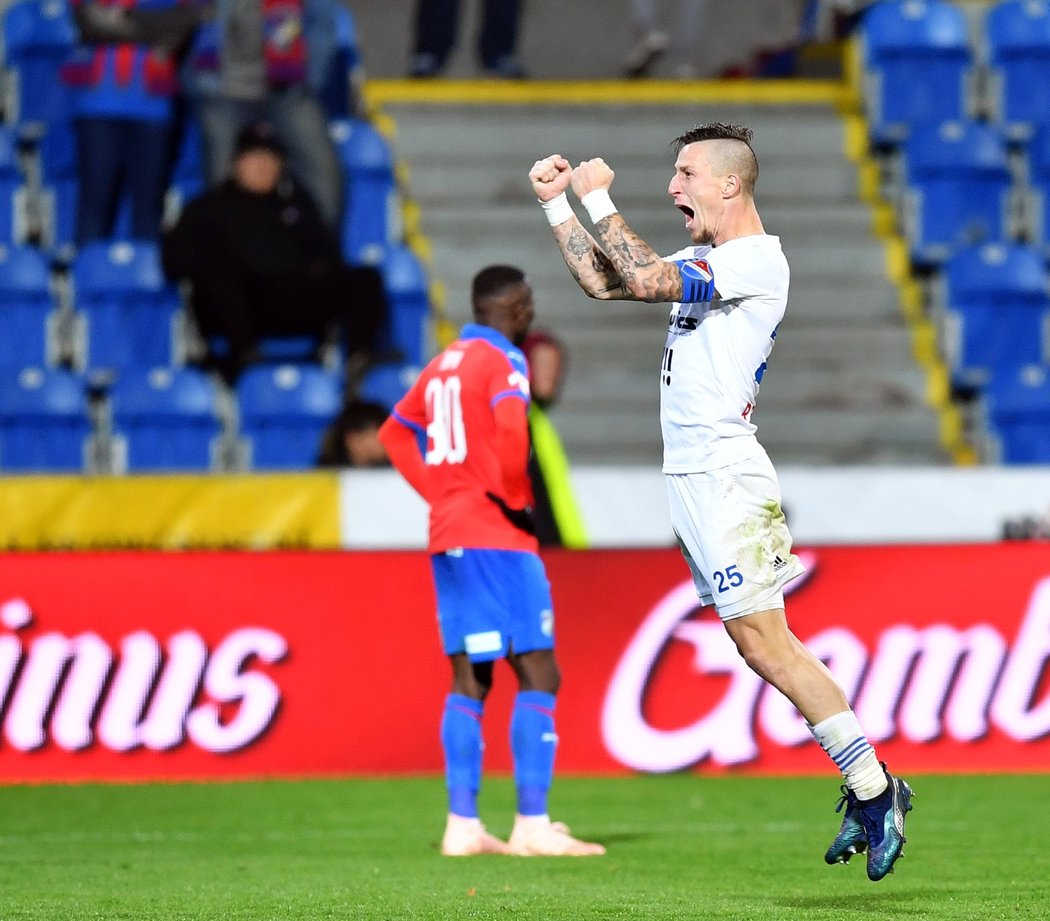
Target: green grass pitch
[680, 847]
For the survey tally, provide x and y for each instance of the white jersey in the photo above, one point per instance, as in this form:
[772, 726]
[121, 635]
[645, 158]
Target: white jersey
[716, 351]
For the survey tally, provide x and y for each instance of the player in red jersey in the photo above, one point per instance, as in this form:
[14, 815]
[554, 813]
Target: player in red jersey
[494, 601]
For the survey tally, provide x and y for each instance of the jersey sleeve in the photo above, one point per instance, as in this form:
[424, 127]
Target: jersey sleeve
[506, 378]
[751, 271]
[411, 409]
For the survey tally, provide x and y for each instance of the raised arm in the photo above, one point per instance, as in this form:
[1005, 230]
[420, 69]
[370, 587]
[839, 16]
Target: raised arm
[589, 265]
[645, 276]
[615, 263]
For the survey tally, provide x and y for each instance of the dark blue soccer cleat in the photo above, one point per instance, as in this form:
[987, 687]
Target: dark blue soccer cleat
[851, 839]
[875, 825]
[883, 821]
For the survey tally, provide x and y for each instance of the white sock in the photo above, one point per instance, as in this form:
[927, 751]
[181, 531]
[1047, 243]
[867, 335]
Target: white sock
[844, 741]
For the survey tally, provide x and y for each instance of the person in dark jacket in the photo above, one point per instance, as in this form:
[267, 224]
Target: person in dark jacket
[261, 262]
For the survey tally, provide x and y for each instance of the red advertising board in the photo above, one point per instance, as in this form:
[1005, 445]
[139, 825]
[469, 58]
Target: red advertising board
[179, 665]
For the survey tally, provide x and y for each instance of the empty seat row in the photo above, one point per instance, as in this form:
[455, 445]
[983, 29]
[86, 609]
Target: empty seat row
[1015, 406]
[932, 60]
[991, 305]
[177, 419]
[960, 183]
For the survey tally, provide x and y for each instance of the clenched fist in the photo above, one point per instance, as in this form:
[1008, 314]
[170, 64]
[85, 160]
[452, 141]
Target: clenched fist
[550, 176]
[591, 175]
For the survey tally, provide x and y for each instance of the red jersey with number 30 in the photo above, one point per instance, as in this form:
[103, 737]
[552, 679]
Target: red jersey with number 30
[452, 403]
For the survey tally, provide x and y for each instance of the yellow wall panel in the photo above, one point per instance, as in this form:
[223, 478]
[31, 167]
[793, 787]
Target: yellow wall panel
[245, 511]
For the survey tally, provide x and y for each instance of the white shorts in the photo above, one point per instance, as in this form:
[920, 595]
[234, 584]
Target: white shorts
[733, 534]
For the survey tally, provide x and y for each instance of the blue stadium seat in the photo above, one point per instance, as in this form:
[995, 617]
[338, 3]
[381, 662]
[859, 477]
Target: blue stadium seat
[997, 310]
[1017, 409]
[44, 422]
[128, 313]
[38, 36]
[345, 73]
[284, 410]
[27, 308]
[1018, 37]
[405, 282]
[370, 207]
[387, 382]
[166, 419]
[959, 189]
[919, 66]
[274, 350]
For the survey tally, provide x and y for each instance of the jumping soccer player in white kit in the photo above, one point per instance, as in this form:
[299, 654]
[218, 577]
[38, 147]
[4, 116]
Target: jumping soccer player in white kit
[728, 293]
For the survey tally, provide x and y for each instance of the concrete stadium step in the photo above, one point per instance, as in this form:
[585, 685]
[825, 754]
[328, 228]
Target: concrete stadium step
[886, 435]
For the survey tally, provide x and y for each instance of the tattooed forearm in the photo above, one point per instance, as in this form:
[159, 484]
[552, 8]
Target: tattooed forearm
[579, 243]
[645, 275]
[601, 263]
[592, 269]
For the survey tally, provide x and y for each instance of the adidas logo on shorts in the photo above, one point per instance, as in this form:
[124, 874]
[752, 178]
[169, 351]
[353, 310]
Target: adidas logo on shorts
[779, 563]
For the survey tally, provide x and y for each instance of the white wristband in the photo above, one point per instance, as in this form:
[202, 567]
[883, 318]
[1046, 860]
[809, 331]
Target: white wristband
[598, 204]
[558, 210]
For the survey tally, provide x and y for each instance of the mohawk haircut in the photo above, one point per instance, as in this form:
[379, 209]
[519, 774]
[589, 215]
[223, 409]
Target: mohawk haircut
[712, 131]
[745, 164]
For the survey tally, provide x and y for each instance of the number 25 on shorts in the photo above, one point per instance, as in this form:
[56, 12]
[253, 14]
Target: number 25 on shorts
[728, 578]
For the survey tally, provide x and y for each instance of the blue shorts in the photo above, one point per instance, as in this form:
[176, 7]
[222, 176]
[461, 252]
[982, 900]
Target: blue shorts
[492, 602]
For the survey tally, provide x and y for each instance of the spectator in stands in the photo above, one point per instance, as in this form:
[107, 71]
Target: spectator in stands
[266, 60]
[437, 25]
[352, 440]
[547, 364]
[655, 37]
[123, 77]
[262, 263]
[548, 472]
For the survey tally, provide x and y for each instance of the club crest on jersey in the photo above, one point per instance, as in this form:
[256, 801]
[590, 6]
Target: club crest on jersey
[702, 268]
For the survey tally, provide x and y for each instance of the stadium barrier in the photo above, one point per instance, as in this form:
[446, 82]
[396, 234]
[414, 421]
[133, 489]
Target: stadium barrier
[375, 509]
[143, 666]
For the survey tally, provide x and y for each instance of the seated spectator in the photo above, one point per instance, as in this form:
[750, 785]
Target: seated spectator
[123, 81]
[262, 263]
[267, 60]
[352, 440]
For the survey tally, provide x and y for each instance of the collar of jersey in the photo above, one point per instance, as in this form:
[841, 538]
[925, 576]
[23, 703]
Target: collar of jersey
[477, 331]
